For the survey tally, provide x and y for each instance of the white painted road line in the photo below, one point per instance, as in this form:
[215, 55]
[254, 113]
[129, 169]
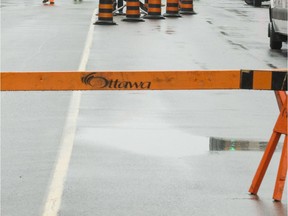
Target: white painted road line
[88, 44]
[54, 198]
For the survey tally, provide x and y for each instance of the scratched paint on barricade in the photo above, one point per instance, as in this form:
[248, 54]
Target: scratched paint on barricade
[145, 80]
[117, 80]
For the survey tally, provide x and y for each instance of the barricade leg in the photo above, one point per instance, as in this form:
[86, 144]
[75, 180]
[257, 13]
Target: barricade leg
[154, 10]
[172, 8]
[133, 11]
[187, 7]
[266, 158]
[280, 128]
[282, 172]
[280, 97]
[105, 16]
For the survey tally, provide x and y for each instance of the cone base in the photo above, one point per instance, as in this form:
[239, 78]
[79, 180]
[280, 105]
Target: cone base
[187, 12]
[171, 15]
[133, 19]
[104, 22]
[153, 17]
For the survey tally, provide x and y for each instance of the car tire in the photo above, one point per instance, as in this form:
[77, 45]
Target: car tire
[275, 43]
[257, 3]
[249, 2]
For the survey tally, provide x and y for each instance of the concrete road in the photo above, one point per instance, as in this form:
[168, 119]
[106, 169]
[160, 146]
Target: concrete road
[134, 153]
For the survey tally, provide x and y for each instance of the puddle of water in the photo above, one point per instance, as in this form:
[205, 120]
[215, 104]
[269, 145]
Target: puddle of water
[163, 142]
[78, 1]
[220, 144]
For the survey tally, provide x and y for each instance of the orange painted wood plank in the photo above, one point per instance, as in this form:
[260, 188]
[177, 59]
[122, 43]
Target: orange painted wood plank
[264, 163]
[281, 124]
[282, 173]
[281, 98]
[145, 80]
[262, 80]
[117, 80]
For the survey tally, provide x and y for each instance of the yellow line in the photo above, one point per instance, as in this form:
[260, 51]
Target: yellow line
[54, 198]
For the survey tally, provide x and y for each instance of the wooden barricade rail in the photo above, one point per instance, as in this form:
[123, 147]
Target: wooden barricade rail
[145, 80]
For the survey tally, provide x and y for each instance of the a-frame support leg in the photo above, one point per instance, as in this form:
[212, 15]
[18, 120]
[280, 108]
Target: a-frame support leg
[282, 172]
[266, 158]
[280, 128]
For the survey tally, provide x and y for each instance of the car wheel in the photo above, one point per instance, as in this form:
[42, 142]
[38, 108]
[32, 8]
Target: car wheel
[275, 43]
[249, 2]
[257, 3]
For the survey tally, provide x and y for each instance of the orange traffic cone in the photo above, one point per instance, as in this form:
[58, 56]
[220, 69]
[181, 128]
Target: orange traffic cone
[105, 16]
[133, 11]
[186, 7]
[50, 1]
[172, 8]
[154, 10]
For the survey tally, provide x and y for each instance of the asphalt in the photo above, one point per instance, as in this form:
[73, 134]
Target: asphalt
[137, 153]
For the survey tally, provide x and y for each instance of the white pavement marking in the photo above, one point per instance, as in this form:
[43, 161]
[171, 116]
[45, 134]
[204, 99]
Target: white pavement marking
[54, 198]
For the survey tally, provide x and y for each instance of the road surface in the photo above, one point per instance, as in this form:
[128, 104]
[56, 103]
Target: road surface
[135, 153]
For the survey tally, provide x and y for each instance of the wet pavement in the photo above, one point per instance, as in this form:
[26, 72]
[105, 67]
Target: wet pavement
[138, 153]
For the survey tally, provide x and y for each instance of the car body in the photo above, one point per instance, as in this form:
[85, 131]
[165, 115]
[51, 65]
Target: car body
[277, 27]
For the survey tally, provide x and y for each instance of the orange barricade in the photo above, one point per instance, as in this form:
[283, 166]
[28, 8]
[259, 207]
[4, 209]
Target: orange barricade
[173, 80]
[145, 80]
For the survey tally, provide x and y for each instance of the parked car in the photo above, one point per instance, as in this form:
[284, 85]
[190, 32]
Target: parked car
[256, 3]
[277, 27]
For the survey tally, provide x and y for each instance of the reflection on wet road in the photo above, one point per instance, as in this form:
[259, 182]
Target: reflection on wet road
[218, 144]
